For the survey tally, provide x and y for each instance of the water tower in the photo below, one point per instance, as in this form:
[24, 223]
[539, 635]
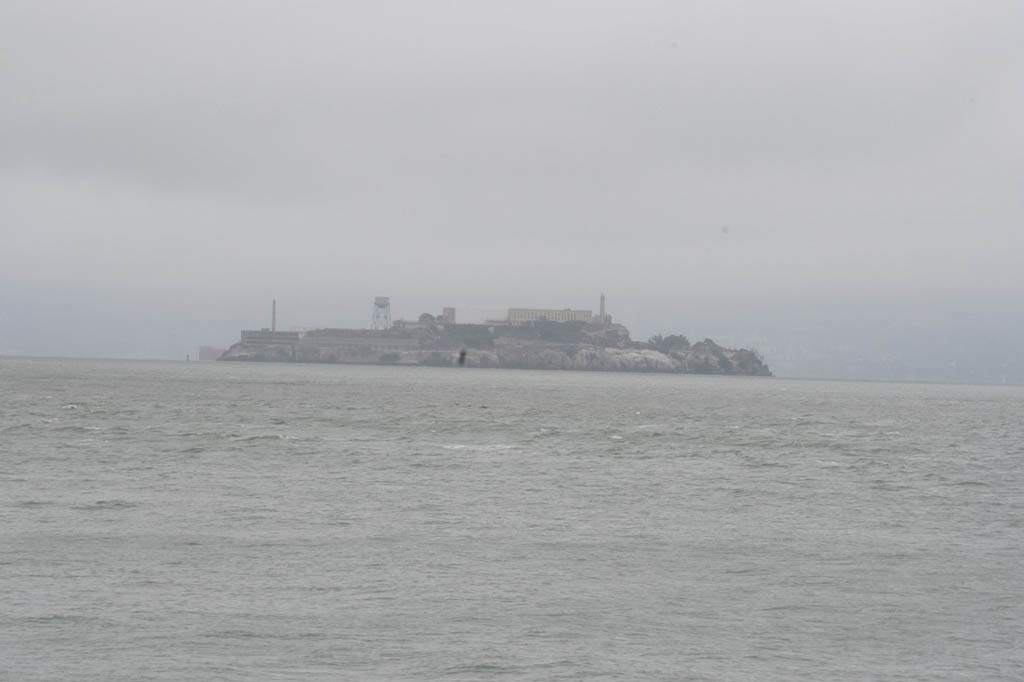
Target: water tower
[381, 313]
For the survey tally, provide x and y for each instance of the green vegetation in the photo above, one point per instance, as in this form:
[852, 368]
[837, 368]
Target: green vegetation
[668, 344]
[464, 336]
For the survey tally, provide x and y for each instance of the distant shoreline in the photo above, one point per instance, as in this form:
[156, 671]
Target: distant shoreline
[784, 377]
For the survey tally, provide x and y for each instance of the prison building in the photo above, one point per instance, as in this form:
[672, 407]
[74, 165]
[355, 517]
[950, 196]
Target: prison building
[525, 315]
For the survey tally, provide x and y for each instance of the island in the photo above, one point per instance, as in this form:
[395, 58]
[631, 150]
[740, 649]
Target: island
[525, 338]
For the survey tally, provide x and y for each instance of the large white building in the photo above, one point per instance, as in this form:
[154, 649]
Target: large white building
[517, 316]
[524, 315]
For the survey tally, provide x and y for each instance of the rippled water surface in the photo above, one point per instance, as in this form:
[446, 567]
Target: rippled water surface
[172, 521]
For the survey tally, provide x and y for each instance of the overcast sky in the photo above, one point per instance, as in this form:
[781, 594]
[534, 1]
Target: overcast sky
[840, 184]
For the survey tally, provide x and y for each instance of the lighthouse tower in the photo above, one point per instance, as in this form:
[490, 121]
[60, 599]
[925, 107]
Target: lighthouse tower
[603, 317]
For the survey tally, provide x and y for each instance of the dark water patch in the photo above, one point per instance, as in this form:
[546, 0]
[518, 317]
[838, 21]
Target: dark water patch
[59, 619]
[262, 437]
[29, 504]
[212, 434]
[475, 669]
[24, 426]
[241, 634]
[106, 505]
[890, 486]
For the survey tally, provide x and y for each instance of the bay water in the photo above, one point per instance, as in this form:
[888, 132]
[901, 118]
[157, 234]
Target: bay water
[176, 521]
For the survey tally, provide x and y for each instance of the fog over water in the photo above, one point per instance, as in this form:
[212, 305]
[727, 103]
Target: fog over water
[836, 186]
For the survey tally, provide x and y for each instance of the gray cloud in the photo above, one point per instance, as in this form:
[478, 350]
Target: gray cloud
[194, 161]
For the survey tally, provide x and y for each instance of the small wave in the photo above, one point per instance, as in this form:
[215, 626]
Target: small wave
[889, 486]
[478, 448]
[56, 618]
[105, 504]
[267, 436]
[233, 435]
[235, 634]
[72, 428]
[253, 634]
[477, 668]
[247, 439]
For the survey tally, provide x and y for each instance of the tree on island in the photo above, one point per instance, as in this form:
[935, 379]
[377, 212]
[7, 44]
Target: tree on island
[667, 344]
[427, 317]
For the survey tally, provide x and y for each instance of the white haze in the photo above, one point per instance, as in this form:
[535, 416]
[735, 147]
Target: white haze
[837, 184]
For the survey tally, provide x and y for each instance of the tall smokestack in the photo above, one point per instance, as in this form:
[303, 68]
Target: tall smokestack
[602, 307]
[273, 316]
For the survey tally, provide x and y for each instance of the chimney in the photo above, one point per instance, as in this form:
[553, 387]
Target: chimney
[273, 316]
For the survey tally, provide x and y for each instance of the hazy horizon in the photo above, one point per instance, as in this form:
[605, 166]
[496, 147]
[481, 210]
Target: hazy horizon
[836, 187]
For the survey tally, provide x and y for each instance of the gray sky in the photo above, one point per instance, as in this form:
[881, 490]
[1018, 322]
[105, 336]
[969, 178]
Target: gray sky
[837, 184]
